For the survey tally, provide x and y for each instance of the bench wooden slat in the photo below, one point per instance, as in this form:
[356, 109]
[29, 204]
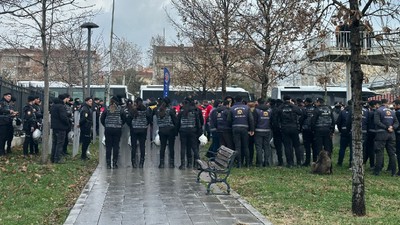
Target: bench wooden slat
[221, 164]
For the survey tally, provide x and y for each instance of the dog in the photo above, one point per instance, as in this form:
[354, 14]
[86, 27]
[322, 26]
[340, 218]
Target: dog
[323, 165]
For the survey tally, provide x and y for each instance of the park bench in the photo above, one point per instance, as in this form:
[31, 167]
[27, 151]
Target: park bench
[218, 167]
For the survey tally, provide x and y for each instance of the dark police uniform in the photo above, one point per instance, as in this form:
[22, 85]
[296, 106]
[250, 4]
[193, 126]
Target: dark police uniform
[39, 117]
[5, 121]
[166, 122]
[85, 125]
[288, 122]
[385, 118]
[276, 132]
[262, 135]
[345, 135]
[219, 122]
[308, 135]
[138, 124]
[29, 125]
[242, 123]
[190, 120]
[370, 149]
[323, 126]
[113, 120]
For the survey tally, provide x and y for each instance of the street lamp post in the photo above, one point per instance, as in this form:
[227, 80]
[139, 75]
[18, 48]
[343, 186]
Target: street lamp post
[89, 26]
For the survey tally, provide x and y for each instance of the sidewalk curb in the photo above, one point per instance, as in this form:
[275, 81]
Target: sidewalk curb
[255, 212]
[80, 201]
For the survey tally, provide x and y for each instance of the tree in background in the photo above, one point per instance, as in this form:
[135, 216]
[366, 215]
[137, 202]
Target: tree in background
[218, 18]
[353, 12]
[40, 22]
[275, 29]
[126, 56]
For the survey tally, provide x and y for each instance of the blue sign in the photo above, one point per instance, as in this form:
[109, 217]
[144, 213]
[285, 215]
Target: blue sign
[167, 79]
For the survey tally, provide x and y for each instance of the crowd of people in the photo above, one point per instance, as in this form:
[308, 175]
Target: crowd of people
[250, 128]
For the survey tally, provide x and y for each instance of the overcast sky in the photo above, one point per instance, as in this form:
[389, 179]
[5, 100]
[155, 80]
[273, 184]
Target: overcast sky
[135, 20]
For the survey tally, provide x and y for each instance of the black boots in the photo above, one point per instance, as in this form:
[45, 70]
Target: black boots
[161, 164]
[171, 163]
[141, 163]
[115, 166]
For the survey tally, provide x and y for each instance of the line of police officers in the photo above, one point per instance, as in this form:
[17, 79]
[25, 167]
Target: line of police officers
[233, 121]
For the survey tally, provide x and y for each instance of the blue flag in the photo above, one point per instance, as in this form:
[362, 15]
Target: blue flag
[167, 79]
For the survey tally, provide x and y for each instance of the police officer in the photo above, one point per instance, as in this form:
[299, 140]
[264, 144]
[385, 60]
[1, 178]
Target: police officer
[323, 126]
[85, 125]
[308, 136]
[138, 120]
[263, 134]
[242, 126]
[288, 122]
[29, 125]
[219, 122]
[60, 125]
[39, 116]
[190, 121]
[385, 124]
[276, 131]
[70, 115]
[370, 149]
[96, 108]
[166, 121]
[6, 115]
[113, 119]
[345, 134]
[11, 127]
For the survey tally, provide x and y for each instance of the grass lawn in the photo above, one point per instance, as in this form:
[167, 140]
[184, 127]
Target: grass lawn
[295, 196]
[32, 193]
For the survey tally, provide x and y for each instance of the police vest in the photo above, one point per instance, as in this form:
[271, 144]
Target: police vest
[140, 121]
[239, 116]
[325, 117]
[222, 119]
[113, 119]
[386, 116]
[309, 113]
[289, 117]
[264, 117]
[166, 121]
[189, 120]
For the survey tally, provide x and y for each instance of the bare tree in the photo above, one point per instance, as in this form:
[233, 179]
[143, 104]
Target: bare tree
[276, 29]
[219, 19]
[126, 56]
[40, 21]
[352, 12]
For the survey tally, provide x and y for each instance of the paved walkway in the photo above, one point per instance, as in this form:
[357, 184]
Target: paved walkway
[156, 196]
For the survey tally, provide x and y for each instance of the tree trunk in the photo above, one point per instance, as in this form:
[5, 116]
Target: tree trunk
[264, 90]
[358, 188]
[46, 117]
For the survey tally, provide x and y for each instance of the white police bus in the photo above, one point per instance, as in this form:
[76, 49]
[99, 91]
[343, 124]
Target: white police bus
[75, 91]
[334, 93]
[178, 93]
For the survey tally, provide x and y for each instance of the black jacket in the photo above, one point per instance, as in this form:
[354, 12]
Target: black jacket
[59, 118]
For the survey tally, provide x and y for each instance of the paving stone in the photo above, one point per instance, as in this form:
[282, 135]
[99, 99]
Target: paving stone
[153, 196]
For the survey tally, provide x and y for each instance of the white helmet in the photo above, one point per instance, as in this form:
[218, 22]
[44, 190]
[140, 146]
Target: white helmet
[271, 143]
[157, 140]
[36, 134]
[203, 140]
[71, 136]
